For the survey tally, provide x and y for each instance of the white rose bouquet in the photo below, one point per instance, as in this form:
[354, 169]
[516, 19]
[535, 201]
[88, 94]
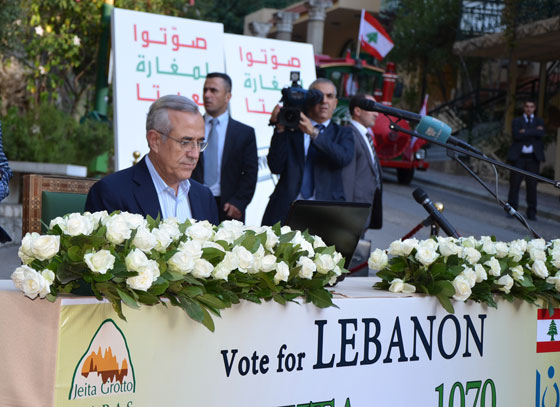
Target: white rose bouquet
[467, 268]
[194, 265]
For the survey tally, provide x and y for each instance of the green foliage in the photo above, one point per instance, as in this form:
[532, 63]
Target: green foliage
[48, 134]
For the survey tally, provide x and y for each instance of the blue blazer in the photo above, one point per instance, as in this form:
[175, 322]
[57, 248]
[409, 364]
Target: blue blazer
[133, 190]
[286, 157]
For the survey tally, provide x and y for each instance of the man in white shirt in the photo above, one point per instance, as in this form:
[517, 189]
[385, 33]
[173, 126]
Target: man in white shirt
[229, 165]
[362, 177]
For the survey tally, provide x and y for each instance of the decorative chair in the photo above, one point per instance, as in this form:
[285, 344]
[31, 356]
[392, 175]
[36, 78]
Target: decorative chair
[47, 196]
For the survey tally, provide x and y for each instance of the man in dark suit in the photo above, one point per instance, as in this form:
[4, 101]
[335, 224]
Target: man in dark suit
[310, 159]
[5, 175]
[526, 152]
[362, 177]
[159, 184]
[229, 165]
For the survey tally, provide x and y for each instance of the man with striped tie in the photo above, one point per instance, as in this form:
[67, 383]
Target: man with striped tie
[362, 177]
[310, 159]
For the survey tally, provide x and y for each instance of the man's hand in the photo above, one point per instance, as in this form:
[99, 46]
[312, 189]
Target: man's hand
[274, 119]
[306, 126]
[232, 211]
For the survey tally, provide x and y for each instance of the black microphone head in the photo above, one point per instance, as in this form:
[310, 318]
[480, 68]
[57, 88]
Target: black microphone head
[368, 104]
[419, 195]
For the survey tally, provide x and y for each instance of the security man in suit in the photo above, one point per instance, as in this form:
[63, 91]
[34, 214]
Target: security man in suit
[362, 177]
[310, 159]
[526, 152]
[159, 184]
[229, 165]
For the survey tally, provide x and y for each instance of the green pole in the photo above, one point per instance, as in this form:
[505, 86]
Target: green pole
[101, 82]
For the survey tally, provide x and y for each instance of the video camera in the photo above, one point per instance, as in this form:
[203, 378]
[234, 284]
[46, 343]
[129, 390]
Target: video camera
[295, 100]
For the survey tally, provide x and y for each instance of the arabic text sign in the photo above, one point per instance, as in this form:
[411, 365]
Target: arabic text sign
[155, 56]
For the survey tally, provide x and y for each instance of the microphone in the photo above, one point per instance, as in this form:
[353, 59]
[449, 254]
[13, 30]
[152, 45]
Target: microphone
[422, 198]
[430, 127]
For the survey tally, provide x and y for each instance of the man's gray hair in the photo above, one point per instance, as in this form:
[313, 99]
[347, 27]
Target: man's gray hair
[158, 119]
[322, 80]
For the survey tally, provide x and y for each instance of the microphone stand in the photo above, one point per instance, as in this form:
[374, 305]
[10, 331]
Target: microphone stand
[453, 149]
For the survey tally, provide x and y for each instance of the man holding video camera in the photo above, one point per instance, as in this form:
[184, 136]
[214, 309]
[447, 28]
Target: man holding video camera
[309, 158]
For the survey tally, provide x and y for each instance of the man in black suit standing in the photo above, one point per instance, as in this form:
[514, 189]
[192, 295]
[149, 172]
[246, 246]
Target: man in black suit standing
[310, 159]
[362, 177]
[229, 165]
[526, 152]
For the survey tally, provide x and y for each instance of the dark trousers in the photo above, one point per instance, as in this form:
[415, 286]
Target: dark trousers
[526, 162]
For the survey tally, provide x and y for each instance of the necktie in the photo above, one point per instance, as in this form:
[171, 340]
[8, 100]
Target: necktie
[369, 137]
[307, 182]
[211, 155]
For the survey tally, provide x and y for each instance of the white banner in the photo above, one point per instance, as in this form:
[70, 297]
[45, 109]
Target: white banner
[157, 55]
[259, 68]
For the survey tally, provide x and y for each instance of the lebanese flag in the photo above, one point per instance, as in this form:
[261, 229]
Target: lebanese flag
[548, 339]
[373, 37]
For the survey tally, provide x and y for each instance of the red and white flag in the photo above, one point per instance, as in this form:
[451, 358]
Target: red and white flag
[373, 37]
[548, 338]
[424, 109]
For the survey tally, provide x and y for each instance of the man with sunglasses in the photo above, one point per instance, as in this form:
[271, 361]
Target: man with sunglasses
[159, 184]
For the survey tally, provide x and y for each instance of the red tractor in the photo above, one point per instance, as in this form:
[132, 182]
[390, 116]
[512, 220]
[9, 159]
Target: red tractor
[394, 149]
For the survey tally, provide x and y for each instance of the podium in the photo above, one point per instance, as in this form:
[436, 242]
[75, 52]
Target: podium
[376, 348]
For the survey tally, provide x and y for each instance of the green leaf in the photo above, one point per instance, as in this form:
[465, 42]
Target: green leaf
[127, 299]
[445, 303]
[320, 297]
[192, 308]
[147, 298]
[75, 254]
[159, 286]
[207, 320]
[191, 291]
[211, 301]
[172, 275]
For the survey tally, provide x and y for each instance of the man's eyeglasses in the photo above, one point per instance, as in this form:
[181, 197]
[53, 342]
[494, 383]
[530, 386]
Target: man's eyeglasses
[186, 144]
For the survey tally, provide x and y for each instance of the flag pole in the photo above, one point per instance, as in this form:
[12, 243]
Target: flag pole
[359, 35]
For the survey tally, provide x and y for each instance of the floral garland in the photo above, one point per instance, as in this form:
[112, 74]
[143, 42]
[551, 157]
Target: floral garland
[200, 267]
[467, 268]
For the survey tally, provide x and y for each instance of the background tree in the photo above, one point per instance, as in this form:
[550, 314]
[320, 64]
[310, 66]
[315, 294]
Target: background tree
[423, 33]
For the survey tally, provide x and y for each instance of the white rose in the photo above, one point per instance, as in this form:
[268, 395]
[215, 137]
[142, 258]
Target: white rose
[468, 242]
[282, 272]
[76, 225]
[481, 274]
[133, 220]
[410, 244]
[225, 235]
[100, 217]
[209, 244]
[48, 275]
[45, 247]
[34, 284]
[100, 262]
[181, 262]
[539, 244]
[18, 276]
[200, 231]
[378, 260]
[245, 258]
[171, 227]
[163, 239]
[517, 249]
[426, 254]
[193, 248]
[495, 268]
[268, 263]
[555, 254]
[555, 243]
[230, 261]
[539, 269]
[143, 281]
[318, 242]
[60, 221]
[449, 248]
[536, 254]
[271, 239]
[117, 229]
[502, 250]
[229, 230]
[151, 266]
[333, 280]
[506, 282]
[462, 288]
[24, 251]
[324, 263]
[470, 275]
[395, 248]
[144, 239]
[489, 247]
[399, 286]
[555, 280]
[517, 273]
[135, 260]
[221, 272]
[202, 268]
[471, 255]
[308, 267]
[285, 229]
